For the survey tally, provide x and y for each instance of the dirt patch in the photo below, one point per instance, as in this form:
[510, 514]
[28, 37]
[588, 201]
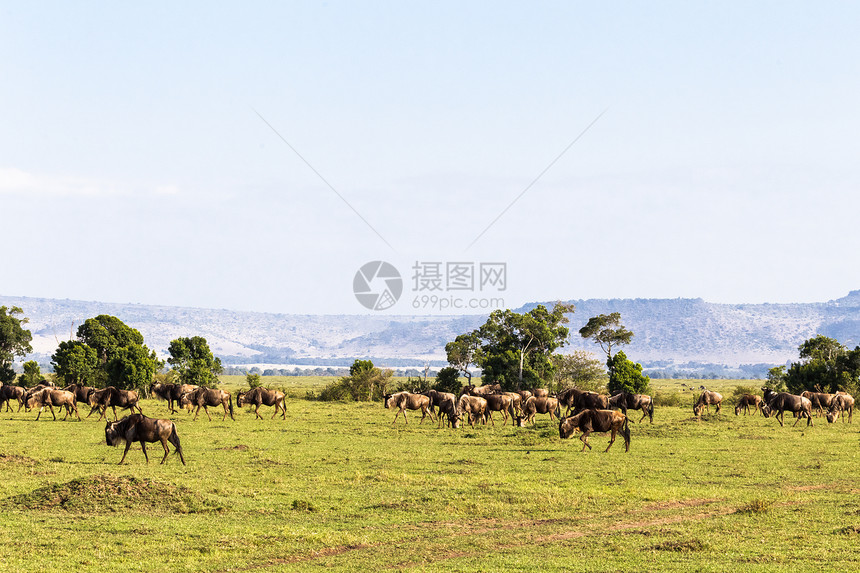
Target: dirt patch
[98, 494]
[16, 459]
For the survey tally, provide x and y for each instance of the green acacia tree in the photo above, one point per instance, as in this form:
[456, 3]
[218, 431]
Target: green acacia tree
[75, 363]
[580, 368]
[32, 374]
[194, 362]
[626, 376]
[14, 341]
[464, 352]
[607, 331]
[825, 366]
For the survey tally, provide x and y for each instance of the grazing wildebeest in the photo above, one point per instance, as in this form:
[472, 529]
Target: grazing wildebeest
[500, 403]
[589, 421]
[779, 402]
[821, 401]
[626, 401]
[474, 406]
[746, 401]
[51, 397]
[403, 401]
[9, 393]
[536, 405]
[139, 428]
[260, 396]
[842, 402]
[448, 407]
[707, 398]
[436, 398]
[205, 397]
[112, 397]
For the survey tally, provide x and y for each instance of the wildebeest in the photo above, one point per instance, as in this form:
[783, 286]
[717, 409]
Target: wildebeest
[706, 398]
[536, 405]
[779, 402]
[112, 397]
[746, 401]
[139, 428]
[82, 393]
[480, 390]
[51, 397]
[205, 397]
[516, 402]
[9, 393]
[569, 397]
[172, 393]
[436, 398]
[403, 401]
[260, 396]
[448, 408]
[821, 401]
[589, 421]
[626, 401]
[474, 406]
[841, 403]
[540, 392]
[500, 403]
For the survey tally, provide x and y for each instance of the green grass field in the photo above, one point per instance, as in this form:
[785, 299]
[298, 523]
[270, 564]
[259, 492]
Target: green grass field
[337, 486]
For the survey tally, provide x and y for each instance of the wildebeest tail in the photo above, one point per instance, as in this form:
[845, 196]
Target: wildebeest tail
[231, 406]
[651, 410]
[625, 432]
[174, 439]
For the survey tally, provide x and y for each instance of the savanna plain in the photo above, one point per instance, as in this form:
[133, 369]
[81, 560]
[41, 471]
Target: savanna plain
[337, 486]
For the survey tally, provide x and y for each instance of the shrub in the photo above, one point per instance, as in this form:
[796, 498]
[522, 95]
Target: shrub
[667, 399]
[253, 380]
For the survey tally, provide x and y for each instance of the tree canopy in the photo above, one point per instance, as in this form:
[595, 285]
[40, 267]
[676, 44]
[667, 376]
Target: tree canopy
[607, 331]
[121, 358]
[626, 376]
[825, 366]
[193, 361]
[515, 349]
[580, 368]
[14, 341]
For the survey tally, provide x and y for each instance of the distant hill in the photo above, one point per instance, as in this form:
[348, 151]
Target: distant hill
[669, 333]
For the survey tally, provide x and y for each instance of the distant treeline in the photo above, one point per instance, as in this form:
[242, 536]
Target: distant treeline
[318, 371]
[707, 371]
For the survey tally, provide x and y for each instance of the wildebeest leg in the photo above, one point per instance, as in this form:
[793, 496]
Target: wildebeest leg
[127, 446]
[780, 415]
[40, 413]
[166, 449]
[584, 439]
[644, 413]
[114, 412]
[611, 440]
[256, 413]
[143, 447]
[206, 409]
[76, 412]
[196, 412]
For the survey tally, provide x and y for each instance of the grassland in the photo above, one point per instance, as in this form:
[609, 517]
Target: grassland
[337, 486]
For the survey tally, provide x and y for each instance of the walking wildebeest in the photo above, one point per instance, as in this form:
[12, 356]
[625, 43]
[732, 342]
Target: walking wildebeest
[448, 407]
[260, 396]
[474, 406]
[534, 406]
[626, 401]
[408, 401]
[746, 401]
[589, 421]
[436, 398]
[9, 393]
[172, 393]
[112, 397]
[516, 402]
[82, 393]
[569, 397]
[821, 401]
[205, 397]
[779, 402]
[50, 397]
[705, 400]
[139, 428]
[500, 403]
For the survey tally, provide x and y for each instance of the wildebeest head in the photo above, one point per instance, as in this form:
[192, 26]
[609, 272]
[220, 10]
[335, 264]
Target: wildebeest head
[832, 415]
[385, 400]
[568, 426]
[112, 435]
[240, 398]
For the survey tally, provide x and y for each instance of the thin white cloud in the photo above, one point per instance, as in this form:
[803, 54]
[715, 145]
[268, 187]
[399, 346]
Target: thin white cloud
[15, 181]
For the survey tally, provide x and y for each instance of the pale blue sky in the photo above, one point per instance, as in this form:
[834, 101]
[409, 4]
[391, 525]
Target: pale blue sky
[134, 167]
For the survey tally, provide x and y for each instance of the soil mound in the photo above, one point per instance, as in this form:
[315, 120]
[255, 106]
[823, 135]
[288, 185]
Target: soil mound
[98, 494]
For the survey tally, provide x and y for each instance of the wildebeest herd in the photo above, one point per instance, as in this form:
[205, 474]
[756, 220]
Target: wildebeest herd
[137, 427]
[589, 412]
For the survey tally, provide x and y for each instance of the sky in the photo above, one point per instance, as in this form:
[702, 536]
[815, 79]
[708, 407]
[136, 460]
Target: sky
[255, 156]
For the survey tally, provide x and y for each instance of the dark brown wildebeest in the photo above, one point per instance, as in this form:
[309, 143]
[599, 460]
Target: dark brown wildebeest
[205, 397]
[821, 401]
[626, 401]
[448, 407]
[536, 405]
[82, 393]
[403, 401]
[139, 428]
[480, 390]
[112, 397]
[591, 401]
[9, 393]
[589, 421]
[260, 396]
[779, 402]
[746, 401]
[707, 398]
[540, 392]
[474, 406]
[172, 393]
[842, 402]
[51, 397]
[500, 403]
[436, 398]
[516, 402]
[568, 398]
